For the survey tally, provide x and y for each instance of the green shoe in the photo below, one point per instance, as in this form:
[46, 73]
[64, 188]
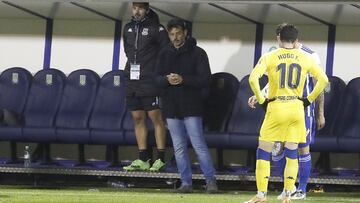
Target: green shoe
[138, 165]
[157, 166]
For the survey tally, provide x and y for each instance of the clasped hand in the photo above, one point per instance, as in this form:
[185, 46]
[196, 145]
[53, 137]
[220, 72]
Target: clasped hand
[174, 79]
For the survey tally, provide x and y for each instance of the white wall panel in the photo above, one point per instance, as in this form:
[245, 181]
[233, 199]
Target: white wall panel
[230, 47]
[83, 44]
[347, 53]
[22, 43]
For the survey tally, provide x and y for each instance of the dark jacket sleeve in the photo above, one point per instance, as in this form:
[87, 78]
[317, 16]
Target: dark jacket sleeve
[126, 45]
[203, 73]
[160, 76]
[163, 37]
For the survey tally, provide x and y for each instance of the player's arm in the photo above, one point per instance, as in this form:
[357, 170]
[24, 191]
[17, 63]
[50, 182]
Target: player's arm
[320, 117]
[255, 75]
[252, 100]
[321, 83]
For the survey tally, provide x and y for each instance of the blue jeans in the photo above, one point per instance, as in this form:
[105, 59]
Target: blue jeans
[190, 128]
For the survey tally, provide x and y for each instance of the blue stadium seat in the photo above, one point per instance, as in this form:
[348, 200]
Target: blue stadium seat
[109, 110]
[244, 125]
[326, 139]
[218, 106]
[76, 106]
[42, 105]
[72, 120]
[349, 127]
[220, 100]
[14, 88]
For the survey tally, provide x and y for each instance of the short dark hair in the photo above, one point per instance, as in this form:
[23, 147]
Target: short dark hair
[289, 33]
[176, 23]
[144, 5]
[279, 27]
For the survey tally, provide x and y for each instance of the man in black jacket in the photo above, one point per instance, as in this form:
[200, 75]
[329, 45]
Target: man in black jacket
[183, 71]
[143, 38]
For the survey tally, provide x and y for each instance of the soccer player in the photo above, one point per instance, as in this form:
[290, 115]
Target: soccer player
[287, 69]
[311, 122]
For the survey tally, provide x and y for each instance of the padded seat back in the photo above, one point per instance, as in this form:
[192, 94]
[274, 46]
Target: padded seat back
[78, 99]
[349, 120]
[14, 88]
[44, 98]
[245, 120]
[333, 100]
[220, 101]
[109, 108]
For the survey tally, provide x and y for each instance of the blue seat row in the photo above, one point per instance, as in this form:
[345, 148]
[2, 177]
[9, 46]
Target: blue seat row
[79, 108]
[83, 108]
[342, 113]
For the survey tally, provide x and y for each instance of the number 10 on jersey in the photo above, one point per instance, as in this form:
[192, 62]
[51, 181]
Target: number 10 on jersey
[289, 72]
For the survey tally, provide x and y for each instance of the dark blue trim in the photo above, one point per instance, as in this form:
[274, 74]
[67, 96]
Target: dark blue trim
[94, 11]
[233, 13]
[291, 153]
[305, 14]
[25, 9]
[262, 154]
[48, 43]
[330, 50]
[258, 42]
[116, 51]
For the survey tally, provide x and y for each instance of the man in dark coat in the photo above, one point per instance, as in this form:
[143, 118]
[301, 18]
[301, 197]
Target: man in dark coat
[143, 39]
[183, 72]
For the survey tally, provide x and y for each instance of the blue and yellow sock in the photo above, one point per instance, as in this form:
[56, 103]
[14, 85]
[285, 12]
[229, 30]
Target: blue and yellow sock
[262, 171]
[304, 171]
[291, 168]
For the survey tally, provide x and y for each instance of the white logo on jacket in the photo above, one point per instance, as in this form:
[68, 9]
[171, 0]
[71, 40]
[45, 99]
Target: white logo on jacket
[129, 30]
[145, 31]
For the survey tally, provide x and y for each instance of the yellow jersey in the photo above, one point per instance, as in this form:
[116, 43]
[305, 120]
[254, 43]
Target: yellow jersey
[287, 70]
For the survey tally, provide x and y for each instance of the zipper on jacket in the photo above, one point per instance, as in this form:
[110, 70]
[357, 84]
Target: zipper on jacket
[136, 41]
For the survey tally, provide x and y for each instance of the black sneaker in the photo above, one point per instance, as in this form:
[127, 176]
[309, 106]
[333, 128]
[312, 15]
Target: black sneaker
[211, 186]
[184, 189]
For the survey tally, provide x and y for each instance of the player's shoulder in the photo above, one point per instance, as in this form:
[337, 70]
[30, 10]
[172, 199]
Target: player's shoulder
[265, 57]
[306, 49]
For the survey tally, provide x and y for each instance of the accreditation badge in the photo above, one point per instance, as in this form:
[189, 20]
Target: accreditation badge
[134, 71]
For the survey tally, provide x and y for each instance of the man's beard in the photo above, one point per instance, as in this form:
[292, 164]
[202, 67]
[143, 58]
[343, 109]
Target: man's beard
[138, 18]
[178, 44]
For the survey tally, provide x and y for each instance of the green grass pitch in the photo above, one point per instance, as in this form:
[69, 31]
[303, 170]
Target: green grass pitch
[135, 195]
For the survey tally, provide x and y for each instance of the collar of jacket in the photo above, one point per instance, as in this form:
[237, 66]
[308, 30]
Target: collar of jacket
[190, 44]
